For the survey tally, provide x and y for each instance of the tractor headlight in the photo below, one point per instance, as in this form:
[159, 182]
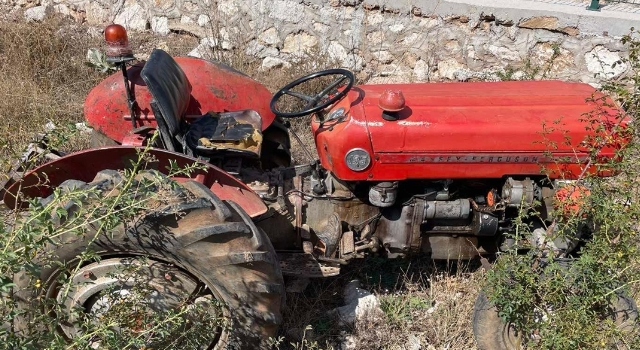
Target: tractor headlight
[357, 159]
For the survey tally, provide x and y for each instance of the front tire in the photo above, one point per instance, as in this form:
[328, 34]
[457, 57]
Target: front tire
[492, 333]
[198, 247]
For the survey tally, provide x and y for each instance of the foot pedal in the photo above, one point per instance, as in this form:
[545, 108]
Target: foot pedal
[305, 265]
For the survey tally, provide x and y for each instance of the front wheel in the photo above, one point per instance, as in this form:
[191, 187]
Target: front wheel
[194, 274]
[493, 333]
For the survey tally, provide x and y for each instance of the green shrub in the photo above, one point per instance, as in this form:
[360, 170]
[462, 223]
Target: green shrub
[564, 301]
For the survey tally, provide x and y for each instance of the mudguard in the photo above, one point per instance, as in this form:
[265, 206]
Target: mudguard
[84, 165]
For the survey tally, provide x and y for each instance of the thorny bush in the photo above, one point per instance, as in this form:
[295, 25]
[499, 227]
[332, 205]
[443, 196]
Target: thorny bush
[28, 243]
[563, 301]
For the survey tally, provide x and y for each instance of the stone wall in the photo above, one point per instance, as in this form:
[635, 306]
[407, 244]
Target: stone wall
[419, 40]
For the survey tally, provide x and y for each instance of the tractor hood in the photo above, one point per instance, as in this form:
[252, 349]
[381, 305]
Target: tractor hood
[466, 130]
[477, 117]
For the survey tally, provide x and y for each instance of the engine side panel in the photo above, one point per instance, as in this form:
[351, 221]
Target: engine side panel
[215, 87]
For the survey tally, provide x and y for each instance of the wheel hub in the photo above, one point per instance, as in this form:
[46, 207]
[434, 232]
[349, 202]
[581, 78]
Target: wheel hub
[137, 293]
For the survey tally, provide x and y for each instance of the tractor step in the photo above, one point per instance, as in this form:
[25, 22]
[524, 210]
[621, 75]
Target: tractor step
[305, 265]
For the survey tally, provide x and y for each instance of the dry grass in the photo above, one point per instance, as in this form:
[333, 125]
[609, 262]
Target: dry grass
[423, 303]
[40, 79]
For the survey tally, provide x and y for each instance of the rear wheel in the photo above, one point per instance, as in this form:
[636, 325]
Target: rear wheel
[198, 262]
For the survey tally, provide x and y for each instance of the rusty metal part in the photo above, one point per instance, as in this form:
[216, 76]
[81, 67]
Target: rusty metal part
[516, 193]
[456, 209]
[85, 164]
[35, 153]
[297, 204]
[482, 224]
[347, 244]
[307, 247]
[383, 194]
[399, 229]
[329, 236]
[443, 247]
[305, 265]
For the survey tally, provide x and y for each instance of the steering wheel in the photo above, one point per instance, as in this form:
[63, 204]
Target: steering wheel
[328, 96]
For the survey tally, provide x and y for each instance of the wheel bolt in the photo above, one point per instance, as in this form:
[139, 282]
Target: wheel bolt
[87, 274]
[168, 276]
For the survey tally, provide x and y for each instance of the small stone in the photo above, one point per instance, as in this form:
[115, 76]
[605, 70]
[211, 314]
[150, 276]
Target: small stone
[543, 22]
[413, 343]
[374, 18]
[186, 20]
[83, 128]
[337, 51]
[503, 53]
[411, 39]
[572, 31]
[272, 62]
[383, 56]
[287, 11]
[62, 9]
[37, 13]
[375, 38]
[203, 20]
[421, 70]
[448, 68]
[551, 56]
[229, 7]
[191, 28]
[459, 19]
[429, 23]
[256, 49]
[96, 14]
[269, 37]
[601, 61]
[359, 304]
[299, 44]
[160, 25]
[132, 17]
[396, 28]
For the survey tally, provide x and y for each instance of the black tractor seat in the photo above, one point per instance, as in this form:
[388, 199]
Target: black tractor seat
[229, 132]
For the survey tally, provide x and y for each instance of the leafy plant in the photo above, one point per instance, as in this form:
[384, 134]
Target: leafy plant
[38, 314]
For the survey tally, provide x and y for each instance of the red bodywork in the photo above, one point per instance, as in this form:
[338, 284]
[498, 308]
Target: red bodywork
[462, 130]
[84, 165]
[215, 87]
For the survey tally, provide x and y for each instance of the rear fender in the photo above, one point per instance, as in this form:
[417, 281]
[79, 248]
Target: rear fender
[84, 165]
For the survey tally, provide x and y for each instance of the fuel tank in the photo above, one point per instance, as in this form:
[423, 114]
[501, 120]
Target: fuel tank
[463, 130]
[215, 87]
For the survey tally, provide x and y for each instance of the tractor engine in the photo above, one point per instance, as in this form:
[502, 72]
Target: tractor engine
[448, 219]
[451, 219]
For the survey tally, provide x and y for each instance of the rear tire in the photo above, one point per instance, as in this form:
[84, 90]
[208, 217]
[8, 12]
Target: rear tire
[204, 239]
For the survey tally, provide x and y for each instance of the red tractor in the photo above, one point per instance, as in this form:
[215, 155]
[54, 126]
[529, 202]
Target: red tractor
[438, 169]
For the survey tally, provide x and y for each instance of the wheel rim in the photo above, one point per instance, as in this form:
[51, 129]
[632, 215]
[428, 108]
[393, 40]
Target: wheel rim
[510, 336]
[142, 293]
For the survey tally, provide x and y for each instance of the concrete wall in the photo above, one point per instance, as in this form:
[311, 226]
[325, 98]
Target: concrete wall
[408, 40]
